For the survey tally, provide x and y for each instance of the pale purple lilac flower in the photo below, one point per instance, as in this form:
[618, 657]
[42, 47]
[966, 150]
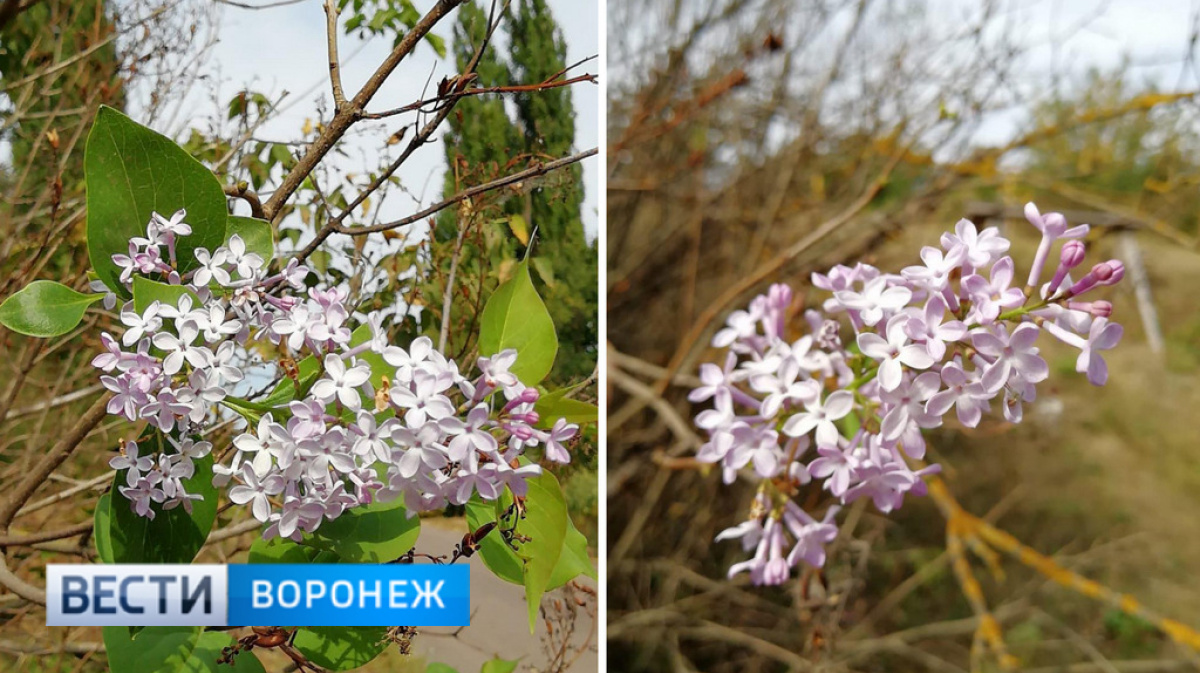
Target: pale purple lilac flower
[437, 437]
[951, 333]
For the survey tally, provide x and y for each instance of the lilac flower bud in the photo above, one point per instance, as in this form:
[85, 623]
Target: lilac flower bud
[1070, 257]
[779, 298]
[1055, 224]
[1072, 254]
[521, 432]
[1098, 309]
[1100, 273]
[1118, 272]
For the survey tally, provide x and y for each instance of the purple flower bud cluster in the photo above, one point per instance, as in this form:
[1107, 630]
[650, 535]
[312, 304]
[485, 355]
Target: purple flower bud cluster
[421, 430]
[888, 356]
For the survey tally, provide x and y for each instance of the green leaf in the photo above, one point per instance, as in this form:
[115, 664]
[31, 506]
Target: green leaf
[535, 563]
[172, 649]
[132, 172]
[255, 232]
[515, 317]
[280, 550]
[438, 44]
[497, 556]
[553, 406]
[545, 524]
[45, 309]
[440, 668]
[146, 292]
[377, 533]
[545, 270]
[100, 526]
[172, 536]
[574, 560]
[341, 648]
[379, 367]
[498, 665]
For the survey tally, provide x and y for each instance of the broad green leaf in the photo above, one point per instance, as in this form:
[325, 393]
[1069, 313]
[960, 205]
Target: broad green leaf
[574, 560]
[131, 172]
[498, 665]
[45, 309]
[255, 233]
[535, 563]
[497, 556]
[515, 317]
[172, 536]
[341, 648]
[504, 563]
[440, 668]
[377, 533]
[100, 526]
[146, 292]
[553, 406]
[173, 649]
[280, 550]
[545, 524]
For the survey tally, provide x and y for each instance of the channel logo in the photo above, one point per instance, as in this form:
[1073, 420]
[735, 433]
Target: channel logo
[243, 595]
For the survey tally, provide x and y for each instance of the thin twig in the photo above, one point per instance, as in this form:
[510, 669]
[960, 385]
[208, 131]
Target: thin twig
[532, 172]
[335, 75]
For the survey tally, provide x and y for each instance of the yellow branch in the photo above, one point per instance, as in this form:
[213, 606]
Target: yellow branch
[961, 524]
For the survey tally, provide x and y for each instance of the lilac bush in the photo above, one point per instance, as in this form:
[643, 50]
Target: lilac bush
[887, 356]
[373, 422]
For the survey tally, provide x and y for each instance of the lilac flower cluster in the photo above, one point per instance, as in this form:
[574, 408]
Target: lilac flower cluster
[423, 431]
[888, 356]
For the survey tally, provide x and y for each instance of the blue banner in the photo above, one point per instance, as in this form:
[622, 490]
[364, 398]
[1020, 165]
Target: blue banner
[350, 595]
[258, 595]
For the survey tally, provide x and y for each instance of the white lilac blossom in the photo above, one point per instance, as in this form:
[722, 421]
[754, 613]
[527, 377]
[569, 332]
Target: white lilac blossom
[415, 428]
[950, 333]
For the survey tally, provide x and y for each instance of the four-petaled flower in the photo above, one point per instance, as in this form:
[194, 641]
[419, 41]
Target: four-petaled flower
[820, 416]
[341, 382]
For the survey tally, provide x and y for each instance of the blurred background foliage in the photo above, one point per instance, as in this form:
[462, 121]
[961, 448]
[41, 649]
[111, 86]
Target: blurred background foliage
[757, 141]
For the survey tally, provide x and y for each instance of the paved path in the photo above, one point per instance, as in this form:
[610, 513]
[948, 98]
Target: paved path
[499, 621]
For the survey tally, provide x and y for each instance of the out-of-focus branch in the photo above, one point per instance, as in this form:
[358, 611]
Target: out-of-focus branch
[268, 5]
[53, 458]
[769, 269]
[44, 536]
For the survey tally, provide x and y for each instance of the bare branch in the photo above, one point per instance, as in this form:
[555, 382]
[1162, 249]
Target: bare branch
[533, 172]
[511, 89]
[55, 457]
[242, 191]
[335, 74]
[346, 116]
